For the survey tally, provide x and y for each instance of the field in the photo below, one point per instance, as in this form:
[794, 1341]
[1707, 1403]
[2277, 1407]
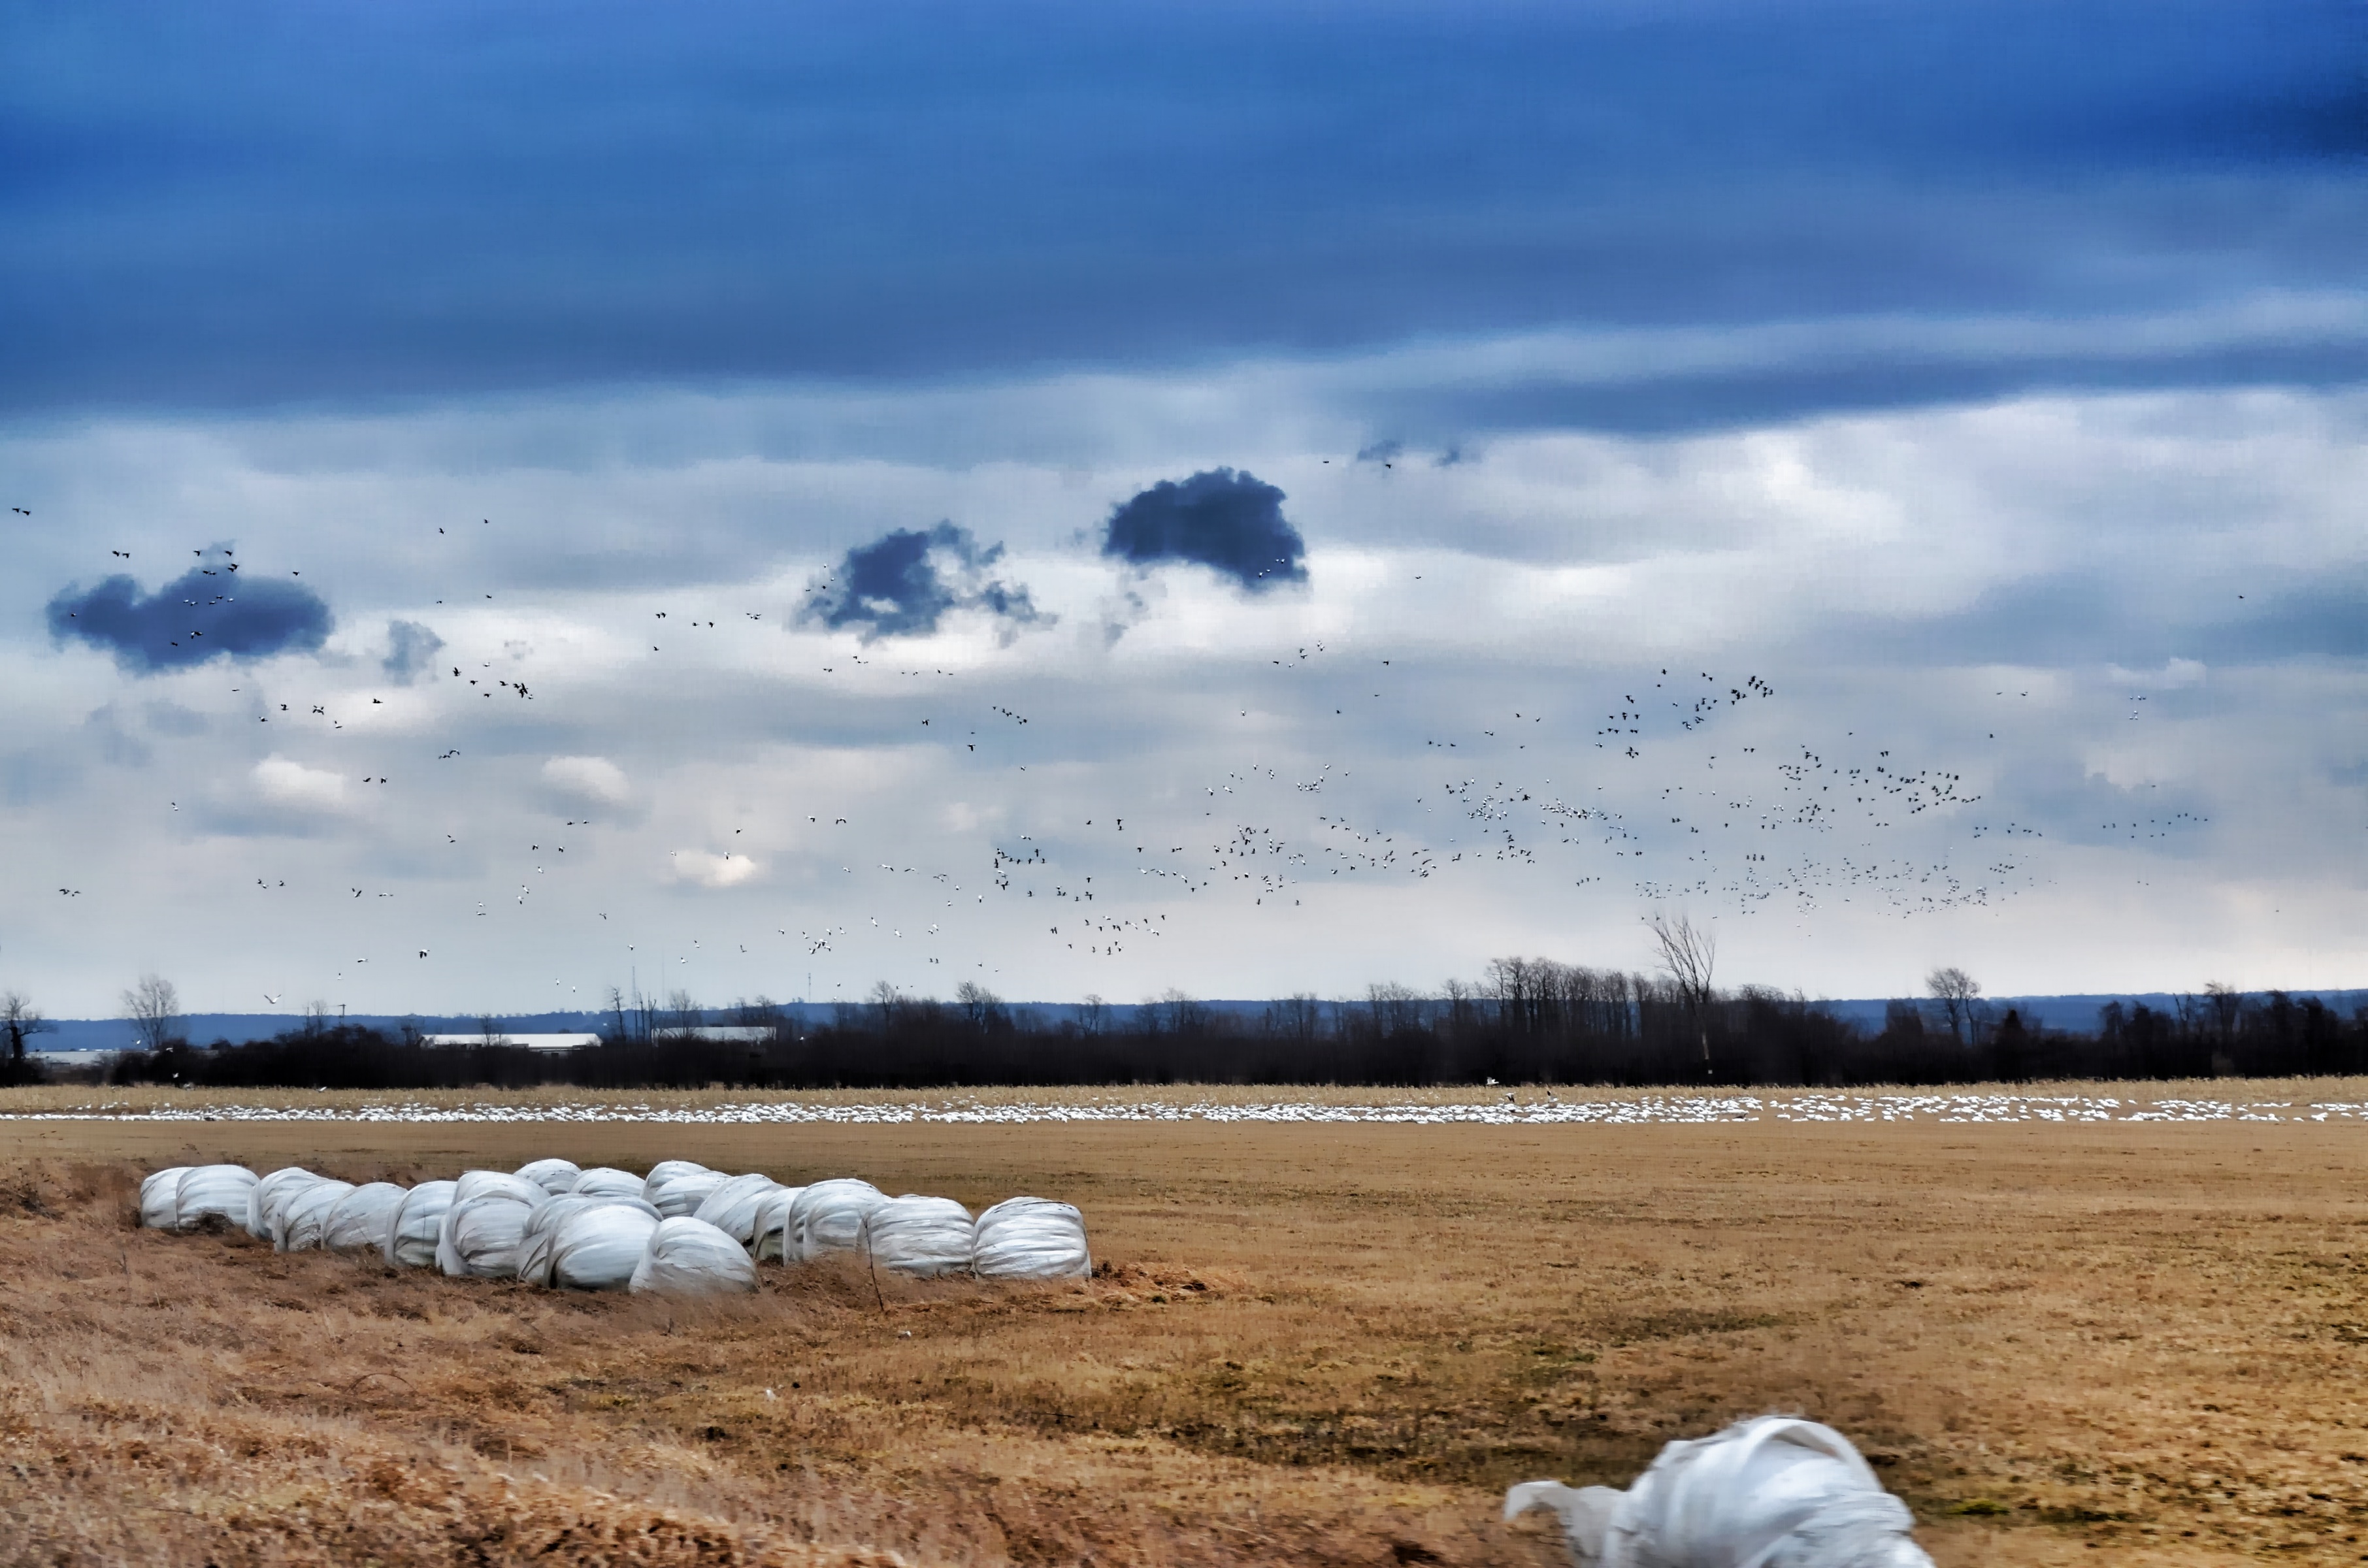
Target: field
[1311, 1342]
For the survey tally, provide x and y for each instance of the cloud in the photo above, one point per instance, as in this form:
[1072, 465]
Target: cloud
[904, 584]
[285, 783]
[411, 649]
[713, 871]
[207, 613]
[592, 778]
[1471, 170]
[1230, 522]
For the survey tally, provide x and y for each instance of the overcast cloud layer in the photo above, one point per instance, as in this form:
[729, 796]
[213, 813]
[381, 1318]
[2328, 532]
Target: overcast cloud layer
[1217, 501]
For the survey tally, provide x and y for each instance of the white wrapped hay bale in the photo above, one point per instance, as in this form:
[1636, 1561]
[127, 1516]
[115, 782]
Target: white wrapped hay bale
[607, 1181]
[732, 1208]
[481, 1184]
[482, 1235]
[214, 1192]
[160, 1199]
[554, 1177]
[537, 1250]
[921, 1236]
[828, 1217]
[691, 1258]
[263, 1212]
[1772, 1492]
[666, 1172]
[1031, 1238]
[362, 1217]
[769, 1232]
[418, 1224]
[680, 1198]
[602, 1248]
[305, 1215]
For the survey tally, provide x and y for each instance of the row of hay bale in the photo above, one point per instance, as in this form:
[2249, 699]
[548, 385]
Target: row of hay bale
[681, 1228]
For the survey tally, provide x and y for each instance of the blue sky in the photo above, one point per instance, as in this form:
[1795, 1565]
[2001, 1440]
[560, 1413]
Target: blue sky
[1897, 354]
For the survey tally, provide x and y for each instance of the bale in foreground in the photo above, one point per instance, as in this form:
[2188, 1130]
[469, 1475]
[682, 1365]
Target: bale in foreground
[1772, 1492]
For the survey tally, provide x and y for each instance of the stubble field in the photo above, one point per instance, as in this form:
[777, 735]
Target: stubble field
[1310, 1342]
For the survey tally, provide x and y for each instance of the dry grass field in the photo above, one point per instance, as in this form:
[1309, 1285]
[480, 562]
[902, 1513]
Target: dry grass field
[1311, 1344]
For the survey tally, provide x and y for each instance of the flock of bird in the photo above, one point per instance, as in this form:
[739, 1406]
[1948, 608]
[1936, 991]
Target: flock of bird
[1653, 808]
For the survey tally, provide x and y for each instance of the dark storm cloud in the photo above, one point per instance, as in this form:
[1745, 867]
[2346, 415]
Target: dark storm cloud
[1230, 522]
[209, 613]
[489, 201]
[904, 583]
[411, 650]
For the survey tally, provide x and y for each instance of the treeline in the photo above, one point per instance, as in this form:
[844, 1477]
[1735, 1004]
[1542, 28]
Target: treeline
[1532, 1021]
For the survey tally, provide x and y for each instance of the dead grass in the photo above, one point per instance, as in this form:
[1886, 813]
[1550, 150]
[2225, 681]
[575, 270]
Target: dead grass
[1315, 1344]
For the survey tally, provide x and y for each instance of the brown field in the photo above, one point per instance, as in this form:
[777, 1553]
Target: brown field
[1312, 1344]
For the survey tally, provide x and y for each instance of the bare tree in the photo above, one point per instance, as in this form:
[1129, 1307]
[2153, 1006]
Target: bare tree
[1959, 994]
[20, 1020]
[980, 1006]
[153, 1007]
[1095, 1014]
[1688, 955]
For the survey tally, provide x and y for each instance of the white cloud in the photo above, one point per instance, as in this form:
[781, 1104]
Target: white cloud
[285, 783]
[711, 871]
[595, 780]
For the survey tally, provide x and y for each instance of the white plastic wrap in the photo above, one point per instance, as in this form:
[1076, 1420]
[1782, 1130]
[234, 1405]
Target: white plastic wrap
[691, 1258]
[921, 1236]
[538, 1248]
[667, 1171]
[607, 1181]
[1031, 1238]
[418, 1225]
[680, 1197]
[769, 1232]
[304, 1214]
[160, 1197]
[553, 1176]
[1772, 1492]
[263, 1214]
[482, 1235]
[732, 1208]
[362, 1217]
[479, 1183]
[828, 1217]
[602, 1248]
[214, 1192]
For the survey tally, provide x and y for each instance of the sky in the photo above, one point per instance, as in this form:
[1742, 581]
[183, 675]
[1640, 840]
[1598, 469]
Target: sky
[509, 501]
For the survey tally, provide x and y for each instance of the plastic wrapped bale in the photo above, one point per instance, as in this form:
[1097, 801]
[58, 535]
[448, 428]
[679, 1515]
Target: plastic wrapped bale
[362, 1217]
[263, 1214]
[214, 1192]
[554, 1177]
[605, 1181]
[666, 1172]
[732, 1208]
[418, 1225]
[1772, 1492]
[828, 1217]
[680, 1199]
[482, 1236]
[537, 1250]
[160, 1197]
[921, 1236]
[691, 1258]
[481, 1184]
[304, 1218]
[769, 1232]
[1031, 1238]
[602, 1248]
